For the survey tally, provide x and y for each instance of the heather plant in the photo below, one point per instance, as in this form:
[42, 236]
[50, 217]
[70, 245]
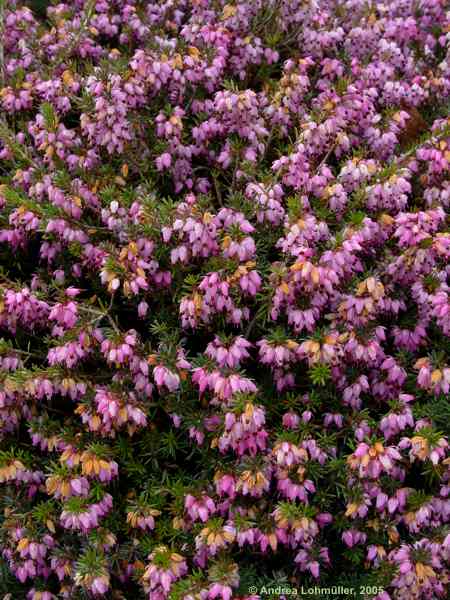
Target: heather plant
[224, 298]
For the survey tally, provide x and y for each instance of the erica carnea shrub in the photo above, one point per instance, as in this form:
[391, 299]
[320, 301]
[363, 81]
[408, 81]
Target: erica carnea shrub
[224, 298]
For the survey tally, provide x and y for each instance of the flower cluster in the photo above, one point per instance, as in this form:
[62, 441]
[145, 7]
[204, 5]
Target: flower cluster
[224, 297]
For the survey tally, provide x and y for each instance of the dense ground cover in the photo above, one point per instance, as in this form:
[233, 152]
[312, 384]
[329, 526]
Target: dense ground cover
[224, 298]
